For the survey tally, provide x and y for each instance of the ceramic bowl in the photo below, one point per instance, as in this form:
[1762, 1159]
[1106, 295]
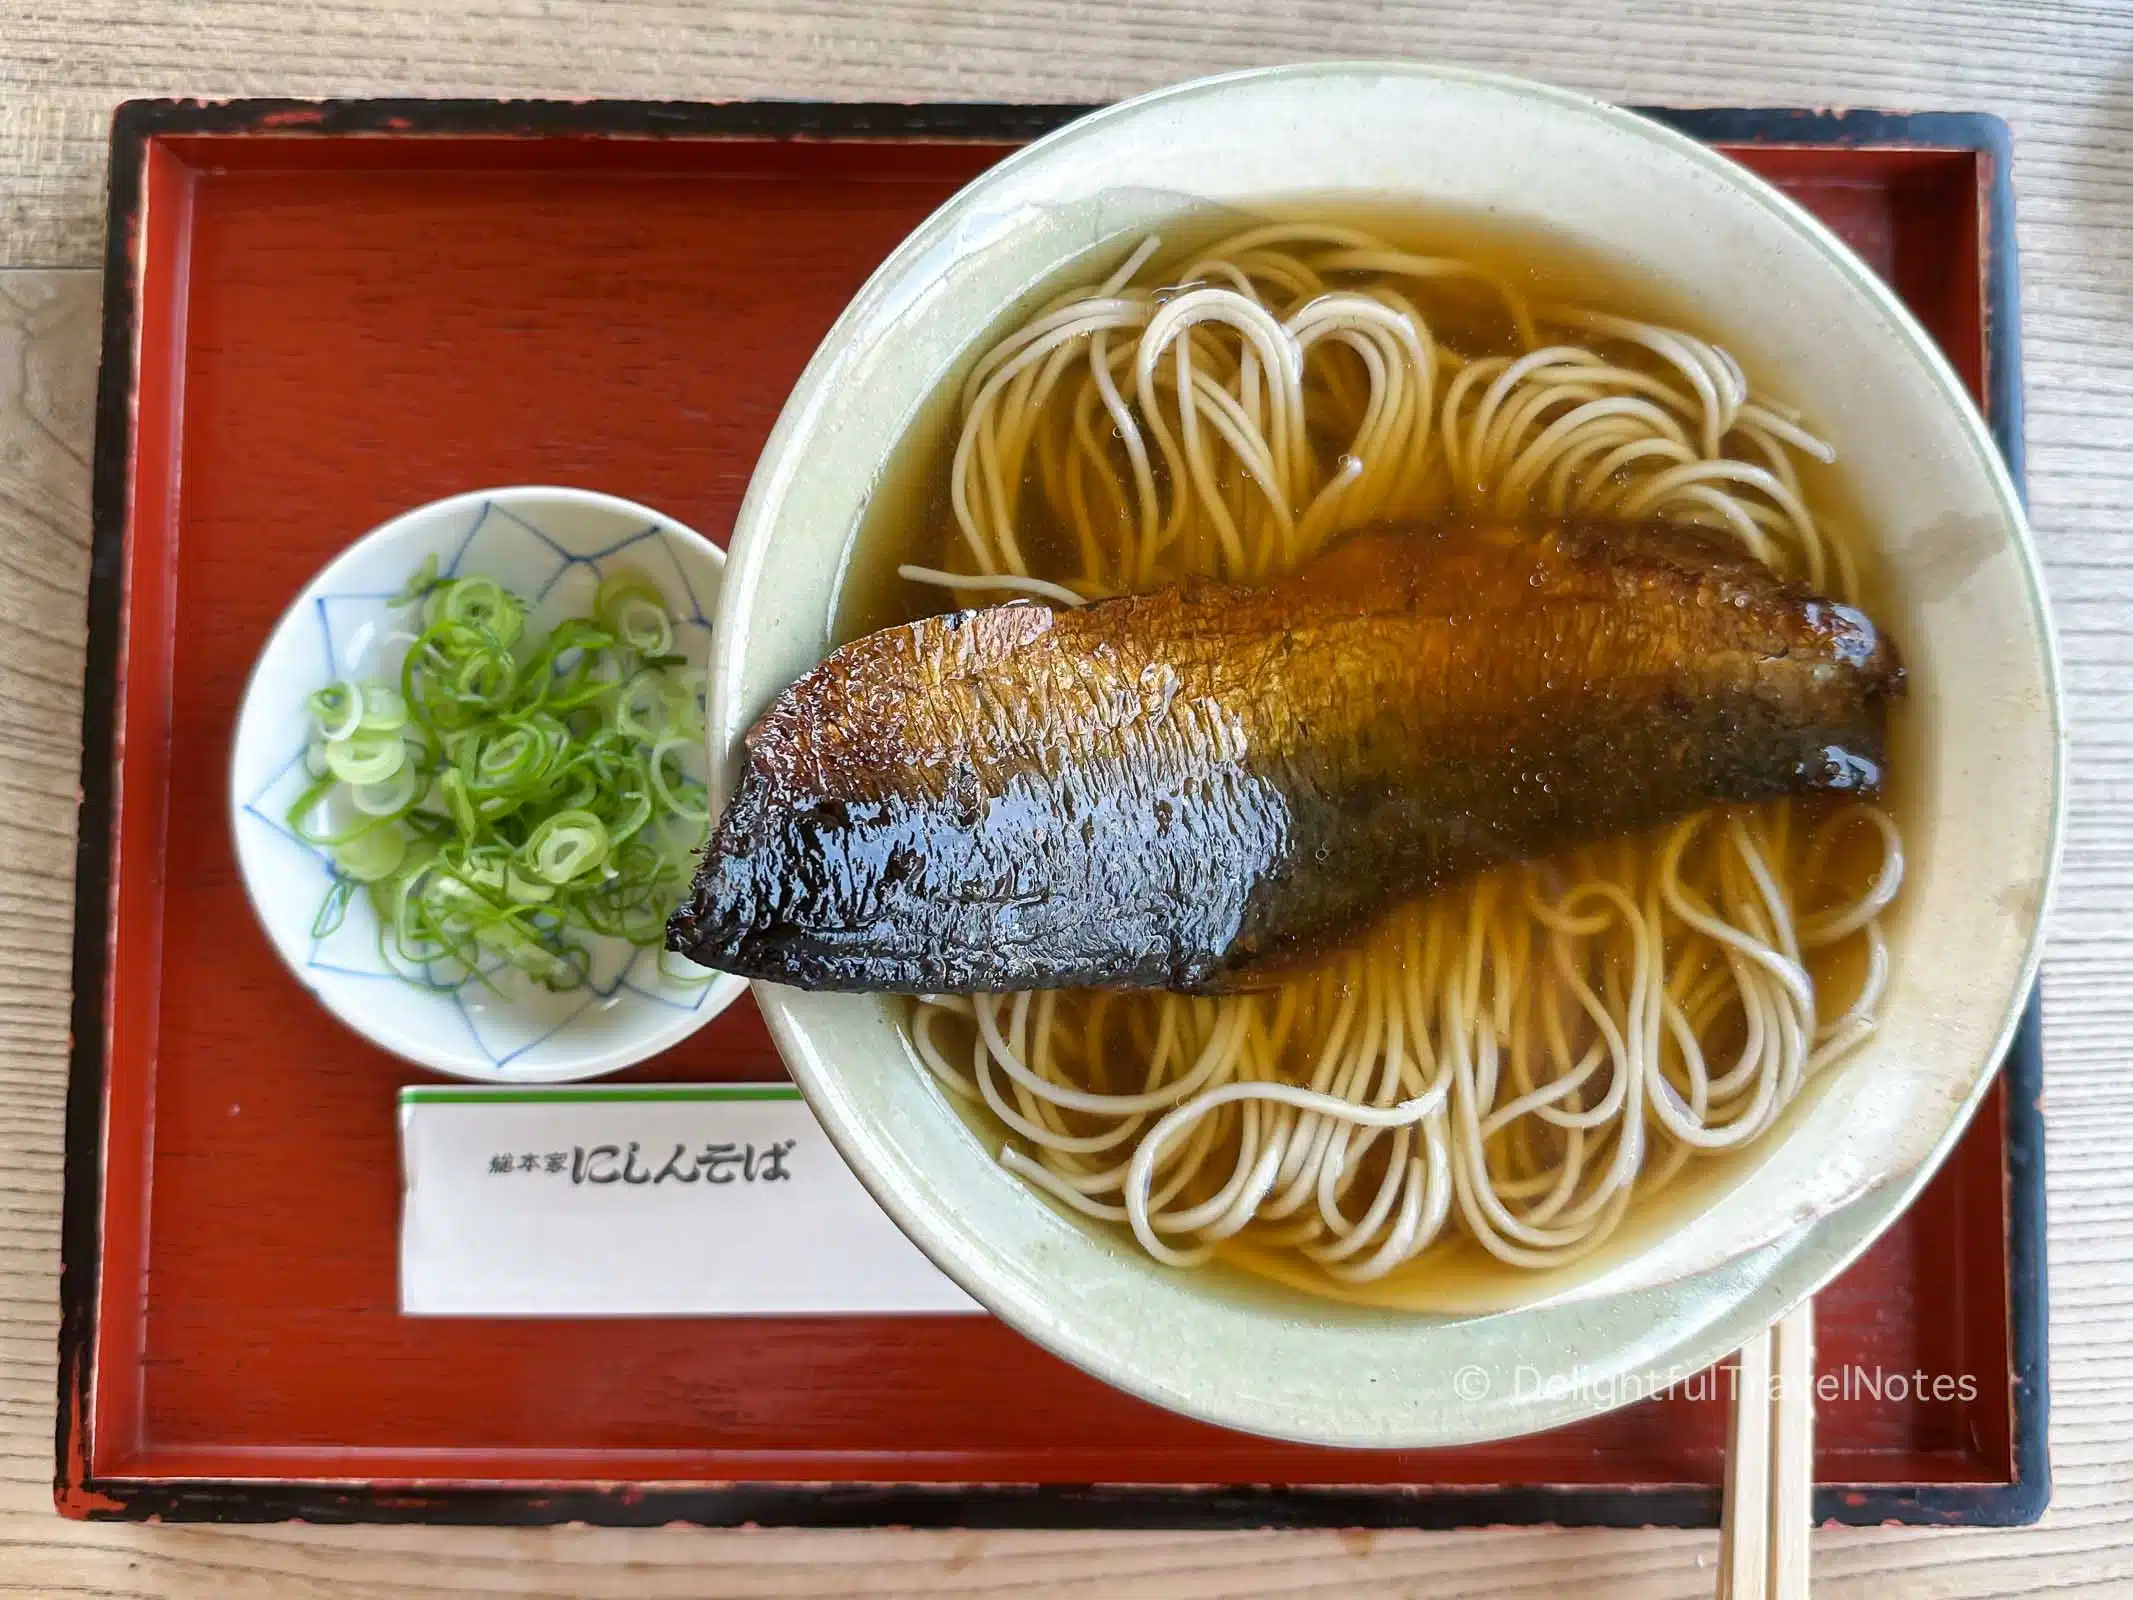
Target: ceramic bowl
[551, 546]
[1676, 1288]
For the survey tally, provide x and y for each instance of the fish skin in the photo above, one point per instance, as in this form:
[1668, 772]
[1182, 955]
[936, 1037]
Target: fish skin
[1197, 788]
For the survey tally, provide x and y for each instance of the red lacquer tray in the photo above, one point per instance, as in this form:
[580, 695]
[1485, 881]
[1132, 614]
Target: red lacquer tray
[321, 314]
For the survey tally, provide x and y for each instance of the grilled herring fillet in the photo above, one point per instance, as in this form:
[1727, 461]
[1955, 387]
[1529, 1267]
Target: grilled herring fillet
[1196, 788]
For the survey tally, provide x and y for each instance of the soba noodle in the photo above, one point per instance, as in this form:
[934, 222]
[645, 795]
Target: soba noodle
[1513, 1061]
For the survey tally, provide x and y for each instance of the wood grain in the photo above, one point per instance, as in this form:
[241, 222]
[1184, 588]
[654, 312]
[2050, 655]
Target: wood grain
[2061, 73]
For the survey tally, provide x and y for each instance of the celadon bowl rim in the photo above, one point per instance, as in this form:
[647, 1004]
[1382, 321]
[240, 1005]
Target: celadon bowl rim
[1714, 1310]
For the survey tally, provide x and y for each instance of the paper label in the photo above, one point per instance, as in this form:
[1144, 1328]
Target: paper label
[643, 1200]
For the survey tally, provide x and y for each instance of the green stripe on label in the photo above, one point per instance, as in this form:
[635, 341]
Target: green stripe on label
[425, 1095]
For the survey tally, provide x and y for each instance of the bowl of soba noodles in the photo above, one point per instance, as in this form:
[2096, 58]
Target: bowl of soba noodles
[1386, 748]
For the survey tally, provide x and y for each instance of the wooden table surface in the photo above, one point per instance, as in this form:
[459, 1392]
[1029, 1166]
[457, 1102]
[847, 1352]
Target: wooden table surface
[2061, 72]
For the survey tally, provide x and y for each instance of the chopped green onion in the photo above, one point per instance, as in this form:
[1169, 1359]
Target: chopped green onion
[682, 971]
[388, 798]
[618, 589]
[630, 605]
[304, 814]
[645, 627]
[683, 798]
[419, 585]
[636, 812]
[484, 679]
[481, 603]
[506, 797]
[643, 708]
[524, 890]
[365, 757]
[383, 711]
[338, 709]
[509, 760]
[454, 788]
[371, 856]
[568, 845]
[333, 911]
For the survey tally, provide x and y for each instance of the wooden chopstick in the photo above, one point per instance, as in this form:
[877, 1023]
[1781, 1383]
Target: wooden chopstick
[1765, 1538]
[1744, 1531]
[1792, 1453]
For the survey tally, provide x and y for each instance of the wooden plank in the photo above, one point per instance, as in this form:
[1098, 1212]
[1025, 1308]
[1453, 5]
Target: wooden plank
[2061, 73]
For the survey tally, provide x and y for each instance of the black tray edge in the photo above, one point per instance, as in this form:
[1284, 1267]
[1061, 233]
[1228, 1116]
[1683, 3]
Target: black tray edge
[81, 1493]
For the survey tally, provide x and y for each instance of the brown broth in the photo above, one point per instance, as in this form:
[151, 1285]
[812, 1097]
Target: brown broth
[1100, 1037]
[908, 518]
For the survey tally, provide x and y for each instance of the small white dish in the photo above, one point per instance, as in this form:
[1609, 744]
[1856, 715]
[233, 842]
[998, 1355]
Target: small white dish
[551, 546]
